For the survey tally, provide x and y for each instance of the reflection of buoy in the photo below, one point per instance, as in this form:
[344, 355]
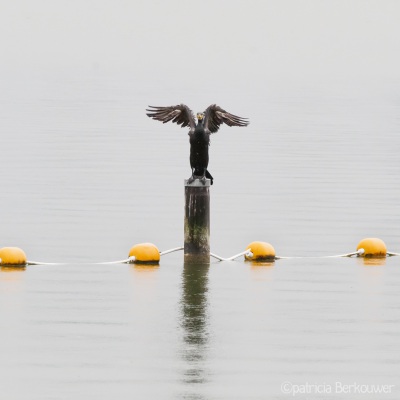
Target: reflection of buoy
[373, 261]
[12, 256]
[261, 251]
[373, 247]
[145, 253]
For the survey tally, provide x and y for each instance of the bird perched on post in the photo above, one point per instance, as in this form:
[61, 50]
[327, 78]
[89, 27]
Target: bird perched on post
[208, 122]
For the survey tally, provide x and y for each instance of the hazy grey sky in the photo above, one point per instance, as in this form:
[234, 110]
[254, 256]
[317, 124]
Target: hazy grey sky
[203, 39]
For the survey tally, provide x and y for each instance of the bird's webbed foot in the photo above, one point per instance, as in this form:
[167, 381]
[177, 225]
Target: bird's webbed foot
[190, 180]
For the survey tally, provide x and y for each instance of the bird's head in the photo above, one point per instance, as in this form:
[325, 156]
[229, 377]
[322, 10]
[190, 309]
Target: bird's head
[200, 116]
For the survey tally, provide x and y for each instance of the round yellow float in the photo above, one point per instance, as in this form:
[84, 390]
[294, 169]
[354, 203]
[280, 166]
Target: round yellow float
[373, 247]
[12, 256]
[262, 251]
[145, 253]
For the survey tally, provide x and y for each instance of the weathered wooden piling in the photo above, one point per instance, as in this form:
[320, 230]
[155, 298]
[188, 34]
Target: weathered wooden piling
[197, 221]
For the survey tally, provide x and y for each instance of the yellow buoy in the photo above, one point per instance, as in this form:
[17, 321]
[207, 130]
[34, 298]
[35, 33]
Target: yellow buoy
[373, 247]
[262, 251]
[145, 253]
[12, 256]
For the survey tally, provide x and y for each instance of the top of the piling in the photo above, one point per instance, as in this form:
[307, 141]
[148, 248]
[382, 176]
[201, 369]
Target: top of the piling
[198, 183]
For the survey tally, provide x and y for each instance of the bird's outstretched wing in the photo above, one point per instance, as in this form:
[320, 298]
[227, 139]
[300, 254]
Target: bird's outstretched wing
[180, 114]
[214, 116]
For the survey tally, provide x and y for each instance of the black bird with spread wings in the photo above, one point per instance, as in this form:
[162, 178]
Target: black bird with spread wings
[208, 122]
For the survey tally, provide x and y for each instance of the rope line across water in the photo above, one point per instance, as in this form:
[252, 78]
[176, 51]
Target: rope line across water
[247, 253]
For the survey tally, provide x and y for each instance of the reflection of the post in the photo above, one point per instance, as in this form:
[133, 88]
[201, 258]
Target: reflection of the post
[194, 321]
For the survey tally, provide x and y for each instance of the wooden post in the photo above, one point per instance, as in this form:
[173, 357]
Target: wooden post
[197, 222]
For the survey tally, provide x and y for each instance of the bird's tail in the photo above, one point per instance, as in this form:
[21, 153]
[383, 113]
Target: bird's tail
[208, 176]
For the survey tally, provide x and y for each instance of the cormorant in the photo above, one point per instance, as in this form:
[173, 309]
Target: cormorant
[208, 122]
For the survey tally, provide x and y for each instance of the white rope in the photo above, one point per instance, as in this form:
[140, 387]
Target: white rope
[132, 259]
[217, 257]
[243, 253]
[359, 252]
[162, 253]
[355, 253]
[126, 261]
[247, 253]
[129, 260]
[43, 263]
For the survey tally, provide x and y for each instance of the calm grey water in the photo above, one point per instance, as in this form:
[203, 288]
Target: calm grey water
[86, 175]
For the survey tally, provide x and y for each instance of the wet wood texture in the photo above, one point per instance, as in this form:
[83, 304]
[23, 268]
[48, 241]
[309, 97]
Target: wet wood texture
[197, 224]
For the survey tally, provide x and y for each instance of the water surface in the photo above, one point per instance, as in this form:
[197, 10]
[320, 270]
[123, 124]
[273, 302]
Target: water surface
[86, 175]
